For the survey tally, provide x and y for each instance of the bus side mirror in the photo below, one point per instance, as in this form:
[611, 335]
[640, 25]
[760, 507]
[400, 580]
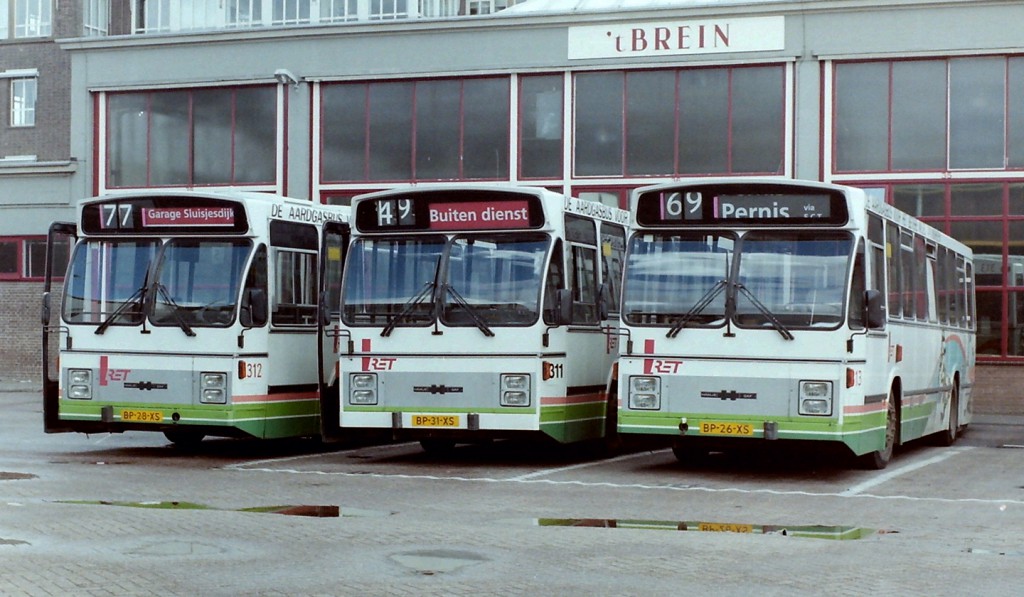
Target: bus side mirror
[324, 310]
[604, 298]
[46, 308]
[563, 306]
[874, 309]
[254, 308]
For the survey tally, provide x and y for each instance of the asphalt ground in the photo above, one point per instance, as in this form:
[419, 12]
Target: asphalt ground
[129, 514]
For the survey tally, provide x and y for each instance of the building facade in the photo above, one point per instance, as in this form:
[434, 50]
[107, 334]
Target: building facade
[921, 101]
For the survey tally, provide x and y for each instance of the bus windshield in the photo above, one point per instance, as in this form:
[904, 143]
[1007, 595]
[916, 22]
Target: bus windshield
[478, 280]
[106, 282]
[198, 282]
[777, 279]
[678, 278]
[498, 280]
[799, 278]
[390, 281]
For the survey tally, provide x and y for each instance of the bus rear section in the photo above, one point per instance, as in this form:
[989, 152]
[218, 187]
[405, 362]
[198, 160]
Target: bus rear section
[790, 310]
[471, 313]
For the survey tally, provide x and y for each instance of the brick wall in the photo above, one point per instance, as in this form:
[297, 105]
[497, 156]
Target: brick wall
[20, 331]
[999, 390]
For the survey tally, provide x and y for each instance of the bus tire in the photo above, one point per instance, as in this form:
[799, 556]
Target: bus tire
[949, 436]
[879, 459]
[184, 438]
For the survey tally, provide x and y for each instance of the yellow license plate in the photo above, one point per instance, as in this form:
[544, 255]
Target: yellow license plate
[725, 527]
[142, 416]
[435, 420]
[722, 428]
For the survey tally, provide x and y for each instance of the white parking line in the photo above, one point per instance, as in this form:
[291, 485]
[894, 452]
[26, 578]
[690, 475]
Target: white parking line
[573, 467]
[909, 468]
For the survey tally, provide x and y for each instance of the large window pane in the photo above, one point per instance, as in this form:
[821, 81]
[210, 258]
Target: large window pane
[391, 131]
[650, 114]
[485, 128]
[540, 133]
[1015, 113]
[211, 128]
[598, 127]
[976, 112]
[1016, 205]
[919, 115]
[255, 135]
[128, 124]
[757, 115]
[437, 129]
[703, 121]
[169, 138]
[976, 199]
[862, 116]
[1015, 342]
[920, 200]
[343, 126]
[990, 317]
[986, 239]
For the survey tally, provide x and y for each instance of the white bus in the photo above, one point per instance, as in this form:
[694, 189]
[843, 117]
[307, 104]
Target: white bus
[790, 310]
[479, 312]
[192, 314]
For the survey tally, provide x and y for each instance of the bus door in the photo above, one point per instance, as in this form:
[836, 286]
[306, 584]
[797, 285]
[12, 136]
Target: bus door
[59, 239]
[334, 245]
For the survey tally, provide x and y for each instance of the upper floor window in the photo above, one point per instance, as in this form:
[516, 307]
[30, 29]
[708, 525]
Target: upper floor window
[185, 15]
[96, 17]
[192, 137]
[25, 18]
[23, 101]
[929, 115]
[728, 120]
[438, 129]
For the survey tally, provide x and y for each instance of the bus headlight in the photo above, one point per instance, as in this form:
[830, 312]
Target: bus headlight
[515, 389]
[80, 384]
[816, 398]
[362, 388]
[213, 387]
[644, 393]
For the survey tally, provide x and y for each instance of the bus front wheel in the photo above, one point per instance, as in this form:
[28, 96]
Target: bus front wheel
[879, 459]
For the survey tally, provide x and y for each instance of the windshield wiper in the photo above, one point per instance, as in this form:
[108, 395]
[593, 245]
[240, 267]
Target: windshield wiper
[136, 299]
[428, 289]
[175, 309]
[765, 311]
[480, 323]
[697, 308]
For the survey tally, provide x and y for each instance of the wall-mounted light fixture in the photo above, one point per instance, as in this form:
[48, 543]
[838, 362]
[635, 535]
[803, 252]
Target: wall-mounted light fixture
[286, 77]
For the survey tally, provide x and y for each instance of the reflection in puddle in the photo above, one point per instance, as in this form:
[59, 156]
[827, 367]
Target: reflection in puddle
[290, 510]
[837, 533]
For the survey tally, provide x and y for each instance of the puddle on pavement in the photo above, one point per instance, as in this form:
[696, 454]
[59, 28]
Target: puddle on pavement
[312, 511]
[437, 561]
[835, 533]
[6, 476]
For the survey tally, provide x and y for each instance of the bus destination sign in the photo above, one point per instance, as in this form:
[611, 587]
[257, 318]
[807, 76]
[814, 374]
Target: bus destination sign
[452, 211]
[164, 214]
[187, 216]
[725, 206]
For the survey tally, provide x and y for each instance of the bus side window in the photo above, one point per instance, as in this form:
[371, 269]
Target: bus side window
[555, 281]
[857, 287]
[613, 247]
[892, 261]
[254, 294]
[583, 272]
